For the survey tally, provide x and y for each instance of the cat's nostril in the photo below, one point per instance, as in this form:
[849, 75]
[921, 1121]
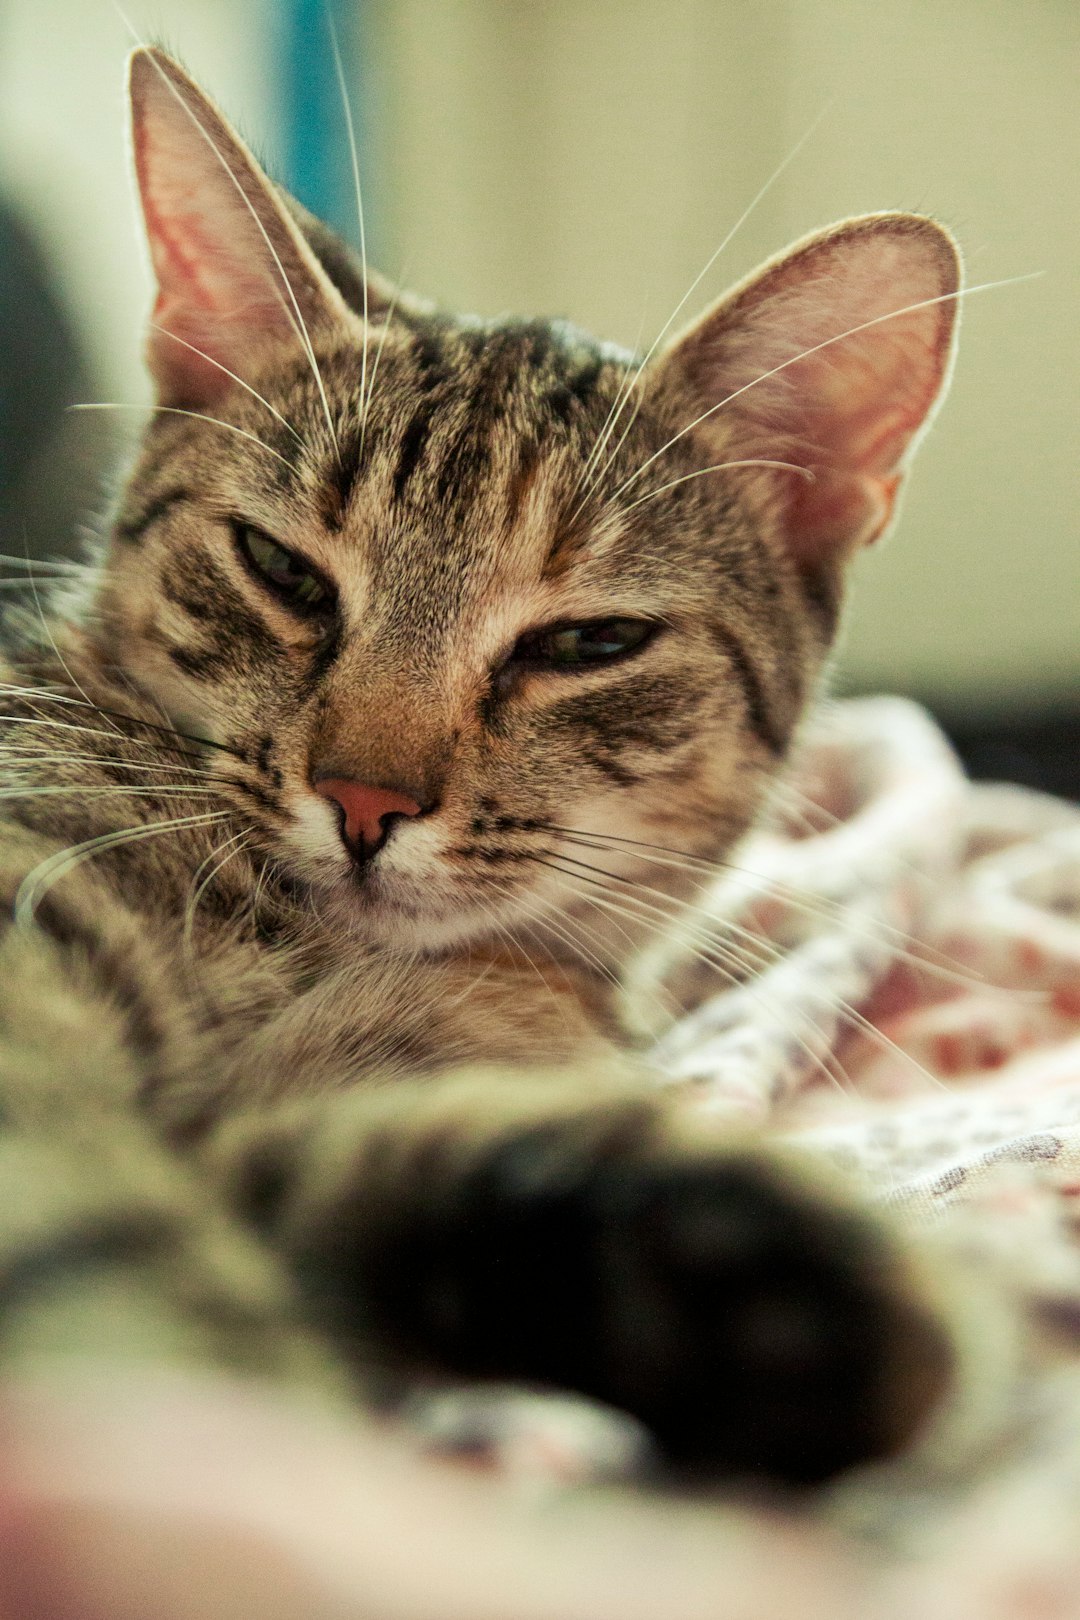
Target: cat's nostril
[368, 813]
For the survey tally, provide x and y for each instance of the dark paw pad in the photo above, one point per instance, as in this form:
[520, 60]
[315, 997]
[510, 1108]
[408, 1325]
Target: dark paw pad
[755, 1327]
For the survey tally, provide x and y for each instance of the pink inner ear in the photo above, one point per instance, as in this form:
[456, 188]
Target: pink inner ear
[231, 267]
[820, 369]
[189, 310]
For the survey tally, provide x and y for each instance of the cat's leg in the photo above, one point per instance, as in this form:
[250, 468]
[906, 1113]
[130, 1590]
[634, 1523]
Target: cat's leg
[599, 1238]
[110, 1247]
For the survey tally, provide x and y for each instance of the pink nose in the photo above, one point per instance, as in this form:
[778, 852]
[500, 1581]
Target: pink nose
[365, 808]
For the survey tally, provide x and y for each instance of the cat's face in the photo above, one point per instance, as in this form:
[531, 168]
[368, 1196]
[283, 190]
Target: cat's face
[462, 637]
[480, 579]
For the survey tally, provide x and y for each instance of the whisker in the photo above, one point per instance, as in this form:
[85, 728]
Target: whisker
[44, 565]
[178, 410]
[20, 584]
[260, 884]
[199, 889]
[919, 952]
[52, 639]
[757, 198]
[766, 953]
[472, 986]
[24, 761]
[592, 482]
[176, 338]
[769, 954]
[626, 383]
[116, 714]
[519, 951]
[50, 724]
[720, 959]
[106, 790]
[613, 456]
[592, 958]
[346, 104]
[816, 348]
[801, 810]
[562, 930]
[722, 466]
[37, 882]
[390, 313]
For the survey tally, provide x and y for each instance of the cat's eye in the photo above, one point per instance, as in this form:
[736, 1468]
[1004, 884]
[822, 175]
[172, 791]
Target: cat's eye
[290, 575]
[571, 645]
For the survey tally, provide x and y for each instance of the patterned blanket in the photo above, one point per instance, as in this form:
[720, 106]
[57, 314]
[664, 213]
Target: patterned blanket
[904, 999]
[900, 956]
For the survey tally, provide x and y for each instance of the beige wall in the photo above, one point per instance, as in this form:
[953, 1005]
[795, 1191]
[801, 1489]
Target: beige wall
[63, 146]
[585, 157]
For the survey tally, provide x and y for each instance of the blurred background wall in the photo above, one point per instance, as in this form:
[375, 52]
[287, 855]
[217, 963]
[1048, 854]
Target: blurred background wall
[585, 157]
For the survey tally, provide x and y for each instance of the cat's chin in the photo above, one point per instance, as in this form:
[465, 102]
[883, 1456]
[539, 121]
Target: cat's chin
[403, 918]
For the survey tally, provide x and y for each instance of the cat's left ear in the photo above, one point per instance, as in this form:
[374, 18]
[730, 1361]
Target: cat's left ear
[233, 269]
[832, 358]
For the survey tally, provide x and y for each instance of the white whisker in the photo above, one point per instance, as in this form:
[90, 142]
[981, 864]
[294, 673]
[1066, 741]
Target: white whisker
[52, 643]
[102, 791]
[541, 913]
[722, 466]
[197, 416]
[623, 436]
[46, 565]
[906, 947]
[390, 313]
[723, 960]
[759, 952]
[20, 584]
[39, 694]
[757, 198]
[23, 761]
[48, 723]
[518, 951]
[49, 871]
[199, 889]
[769, 955]
[347, 107]
[176, 338]
[584, 480]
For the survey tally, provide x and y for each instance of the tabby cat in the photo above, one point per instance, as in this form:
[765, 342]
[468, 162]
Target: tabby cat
[428, 662]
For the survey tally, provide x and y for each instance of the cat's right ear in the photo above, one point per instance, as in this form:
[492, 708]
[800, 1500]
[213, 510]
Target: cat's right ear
[234, 272]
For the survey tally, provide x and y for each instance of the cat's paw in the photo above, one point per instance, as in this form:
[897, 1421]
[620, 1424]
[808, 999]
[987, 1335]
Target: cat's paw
[754, 1322]
[753, 1327]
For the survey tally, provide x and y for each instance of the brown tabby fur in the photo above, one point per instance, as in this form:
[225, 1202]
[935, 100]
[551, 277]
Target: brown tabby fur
[225, 1013]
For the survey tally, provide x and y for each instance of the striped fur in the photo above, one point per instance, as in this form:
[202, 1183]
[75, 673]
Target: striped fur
[228, 1057]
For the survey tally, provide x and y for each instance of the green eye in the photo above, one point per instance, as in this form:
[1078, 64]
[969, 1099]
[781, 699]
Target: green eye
[289, 574]
[574, 644]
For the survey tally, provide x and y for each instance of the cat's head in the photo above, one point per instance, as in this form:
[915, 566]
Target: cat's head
[450, 585]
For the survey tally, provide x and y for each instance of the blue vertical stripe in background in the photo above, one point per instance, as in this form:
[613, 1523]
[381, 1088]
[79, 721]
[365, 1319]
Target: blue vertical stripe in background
[314, 131]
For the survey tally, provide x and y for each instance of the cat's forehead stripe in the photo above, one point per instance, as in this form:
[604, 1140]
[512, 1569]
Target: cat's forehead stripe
[452, 406]
[341, 477]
